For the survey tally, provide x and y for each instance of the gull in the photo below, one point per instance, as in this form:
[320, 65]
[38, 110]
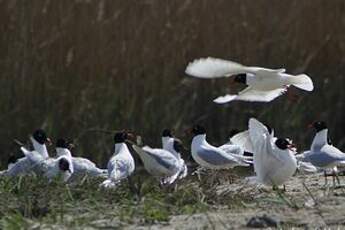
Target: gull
[274, 159]
[263, 84]
[24, 165]
[82, 166]
[121, 165]
[161, 163]
[51, 168]
[174, 145]
[322, 154]
[211, 157]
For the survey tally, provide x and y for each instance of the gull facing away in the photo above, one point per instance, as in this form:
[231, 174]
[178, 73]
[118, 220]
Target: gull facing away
[24, 165]
[174, 145]
[121, 165]
[274, 159]
[52, 167]
[322, 154]
[82, 166]
[263, 84]
[159, 163]
[211, 157]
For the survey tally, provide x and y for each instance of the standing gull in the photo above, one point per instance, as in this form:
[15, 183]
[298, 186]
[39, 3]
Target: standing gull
[161, 163]
[211, 157]
[274, 158]
[121, 165]
[322, 154]
[175, 146]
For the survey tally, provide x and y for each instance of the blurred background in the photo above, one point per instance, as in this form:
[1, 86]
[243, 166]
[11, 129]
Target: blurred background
[74, 67]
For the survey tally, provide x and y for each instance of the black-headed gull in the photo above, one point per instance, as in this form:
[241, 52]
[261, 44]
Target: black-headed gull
[274, 158]
[24, 165]
[322, 154]
[82, 166]
[159, 163]
[52, 167]
[263, 84]
[211, 157]
[174, 145]
[121, 165]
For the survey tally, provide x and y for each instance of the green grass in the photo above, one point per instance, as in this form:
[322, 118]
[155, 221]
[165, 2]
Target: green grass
[28, 200]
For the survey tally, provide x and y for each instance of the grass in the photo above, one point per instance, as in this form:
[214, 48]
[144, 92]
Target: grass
[32, 202]
[33, 199]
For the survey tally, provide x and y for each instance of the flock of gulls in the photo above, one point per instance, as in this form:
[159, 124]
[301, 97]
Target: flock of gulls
[273, 158]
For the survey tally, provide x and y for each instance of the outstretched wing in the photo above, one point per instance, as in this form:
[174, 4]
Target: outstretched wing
[242, 139]
[215, 68]
[249, 94]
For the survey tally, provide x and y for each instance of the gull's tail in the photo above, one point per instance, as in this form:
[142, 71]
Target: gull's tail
[301, 81]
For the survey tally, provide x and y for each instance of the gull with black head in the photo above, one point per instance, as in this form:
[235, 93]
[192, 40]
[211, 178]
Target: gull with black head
[274, 158]
[263, 84]
[161, 163]
[322, 154]
[211, 157]
[121, 165]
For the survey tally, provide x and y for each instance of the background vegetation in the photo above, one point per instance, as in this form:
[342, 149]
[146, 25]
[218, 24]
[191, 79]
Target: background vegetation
[71, 66]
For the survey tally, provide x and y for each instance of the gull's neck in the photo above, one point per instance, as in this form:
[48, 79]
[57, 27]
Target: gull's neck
[199, 140]
[165, 142]
[42, 149]
[168, 144]
[119, 147]
[320, 139]
[63, 152]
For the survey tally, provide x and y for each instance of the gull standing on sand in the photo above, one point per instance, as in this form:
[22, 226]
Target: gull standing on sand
[322, 154]
[211, 157]
[121, 165]
[274, 159]
[263, 84]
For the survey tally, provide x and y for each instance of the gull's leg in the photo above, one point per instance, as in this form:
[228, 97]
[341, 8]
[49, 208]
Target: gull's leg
[335, 171]
[325, 175]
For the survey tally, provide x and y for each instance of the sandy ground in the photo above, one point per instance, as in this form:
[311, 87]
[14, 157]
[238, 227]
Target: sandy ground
[322, 206]
[306, 204]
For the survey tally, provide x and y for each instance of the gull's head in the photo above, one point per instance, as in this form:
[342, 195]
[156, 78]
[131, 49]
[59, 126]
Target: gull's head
[64, 165]
[62, 143]
[166, 133]
[319, 125]
[41, 137]
[198, 130]
[241, 78]
[122, 136]
[284, 143]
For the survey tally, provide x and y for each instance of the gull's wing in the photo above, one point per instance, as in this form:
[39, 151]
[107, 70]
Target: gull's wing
[249, 94]
[242, 139]
[333, 152]
[162, 157]
[215, 68]
[218, 157]
[262, 145]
